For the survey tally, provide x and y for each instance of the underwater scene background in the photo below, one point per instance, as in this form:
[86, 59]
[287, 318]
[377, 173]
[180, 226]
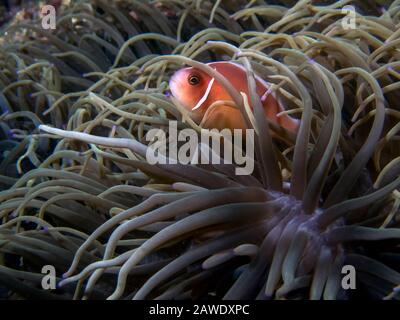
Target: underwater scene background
[84, 201]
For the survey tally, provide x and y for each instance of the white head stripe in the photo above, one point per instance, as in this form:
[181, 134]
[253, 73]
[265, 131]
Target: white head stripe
[205, 96]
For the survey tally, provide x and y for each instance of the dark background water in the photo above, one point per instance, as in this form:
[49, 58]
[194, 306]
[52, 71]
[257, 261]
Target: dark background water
[8, 8]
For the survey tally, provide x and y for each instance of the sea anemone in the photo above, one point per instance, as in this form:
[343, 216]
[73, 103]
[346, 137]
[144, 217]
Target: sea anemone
[114, 226]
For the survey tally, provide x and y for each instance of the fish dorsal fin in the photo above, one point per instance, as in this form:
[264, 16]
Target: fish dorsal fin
[205, 96]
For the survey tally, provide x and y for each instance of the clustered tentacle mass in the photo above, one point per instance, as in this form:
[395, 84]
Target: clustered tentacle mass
[116, 227]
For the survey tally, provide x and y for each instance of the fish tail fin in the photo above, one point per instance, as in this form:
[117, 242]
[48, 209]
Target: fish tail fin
[275, 111]
[289, 123]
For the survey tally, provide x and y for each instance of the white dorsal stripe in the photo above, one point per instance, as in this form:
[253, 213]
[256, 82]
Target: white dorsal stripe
[205, 96]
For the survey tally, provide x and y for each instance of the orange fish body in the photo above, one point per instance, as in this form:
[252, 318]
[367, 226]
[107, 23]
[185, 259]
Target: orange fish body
[197, 91]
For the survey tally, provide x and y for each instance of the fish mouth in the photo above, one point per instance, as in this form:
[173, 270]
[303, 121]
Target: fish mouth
[173, 86]
[173, 91]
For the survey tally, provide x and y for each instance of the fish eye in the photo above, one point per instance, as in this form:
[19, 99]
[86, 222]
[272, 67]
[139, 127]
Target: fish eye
[193, 80]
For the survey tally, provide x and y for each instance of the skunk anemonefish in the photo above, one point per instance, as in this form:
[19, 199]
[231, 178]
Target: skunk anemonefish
[197, 91]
